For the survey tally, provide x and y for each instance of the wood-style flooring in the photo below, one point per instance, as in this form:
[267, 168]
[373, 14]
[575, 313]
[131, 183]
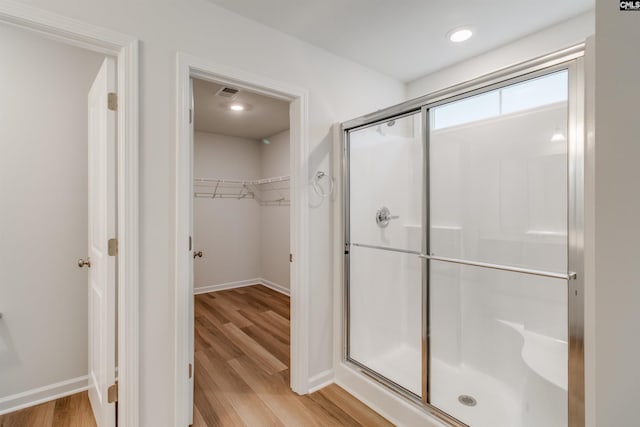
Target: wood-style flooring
[70, 411]
[242, 367]
[241, 373]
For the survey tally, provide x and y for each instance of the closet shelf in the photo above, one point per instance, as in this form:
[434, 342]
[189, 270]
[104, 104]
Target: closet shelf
[267, 192]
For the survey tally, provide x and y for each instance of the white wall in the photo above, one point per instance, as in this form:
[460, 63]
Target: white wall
[565, 34]
[227, 231]
[617, 209]
[43, 219]
[240, 239]
[274, 220]
[338, 90]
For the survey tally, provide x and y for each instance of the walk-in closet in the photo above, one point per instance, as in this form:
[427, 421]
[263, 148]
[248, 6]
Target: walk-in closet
[241, 202]
[241, 189]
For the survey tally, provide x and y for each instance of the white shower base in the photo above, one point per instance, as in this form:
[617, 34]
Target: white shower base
[402, 365]
[496, 406]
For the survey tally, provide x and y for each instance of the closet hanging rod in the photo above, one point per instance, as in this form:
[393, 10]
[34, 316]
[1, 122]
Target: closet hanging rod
[243, 181]
[239, 196]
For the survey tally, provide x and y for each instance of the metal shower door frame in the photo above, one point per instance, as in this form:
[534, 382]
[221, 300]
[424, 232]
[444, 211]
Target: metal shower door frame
[570, 59]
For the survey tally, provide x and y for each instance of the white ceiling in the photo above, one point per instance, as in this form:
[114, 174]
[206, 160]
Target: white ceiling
[265, 117]
[406, 39]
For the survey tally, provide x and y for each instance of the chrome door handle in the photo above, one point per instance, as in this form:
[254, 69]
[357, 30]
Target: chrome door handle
[383, 216]
[82, 263]
[197, 254]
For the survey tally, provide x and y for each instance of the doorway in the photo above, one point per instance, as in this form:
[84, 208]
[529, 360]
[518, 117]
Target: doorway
[190, 67]
[241, 228]
[100, 43]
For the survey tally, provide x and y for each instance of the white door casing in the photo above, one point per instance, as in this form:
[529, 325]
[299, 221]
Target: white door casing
[102, 227]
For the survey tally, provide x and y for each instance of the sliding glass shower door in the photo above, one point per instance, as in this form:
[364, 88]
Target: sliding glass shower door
[385, 228]
[498, 255]
[462, 229]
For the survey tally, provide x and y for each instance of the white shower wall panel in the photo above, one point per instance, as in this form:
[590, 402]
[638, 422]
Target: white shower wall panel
[386, 170]
[497, 180]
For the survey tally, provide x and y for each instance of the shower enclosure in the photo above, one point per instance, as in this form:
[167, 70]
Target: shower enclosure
[463, 252]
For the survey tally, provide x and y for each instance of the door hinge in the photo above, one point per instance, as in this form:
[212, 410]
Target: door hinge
[112, 393]
[113, 247]
[190, 116]
[112, 102]
[190, 243]
[190, 371]
[290, 257]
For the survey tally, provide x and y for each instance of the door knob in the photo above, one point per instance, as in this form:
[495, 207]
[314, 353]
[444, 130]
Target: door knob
[197, 254]
[82, 263]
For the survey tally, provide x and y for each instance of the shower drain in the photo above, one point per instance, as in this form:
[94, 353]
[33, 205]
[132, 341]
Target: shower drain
[467, 400]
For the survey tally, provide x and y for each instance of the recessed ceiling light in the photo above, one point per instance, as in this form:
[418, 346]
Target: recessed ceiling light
[237, 107]
[459, 35]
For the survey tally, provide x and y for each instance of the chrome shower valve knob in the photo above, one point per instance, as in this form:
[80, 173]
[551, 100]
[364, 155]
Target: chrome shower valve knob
[383, 216]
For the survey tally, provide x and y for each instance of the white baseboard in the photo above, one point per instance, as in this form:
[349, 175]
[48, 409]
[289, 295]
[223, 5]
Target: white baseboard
[241, 284]
[229, 285]
[44, 394]
[276, 287]
[321, 380]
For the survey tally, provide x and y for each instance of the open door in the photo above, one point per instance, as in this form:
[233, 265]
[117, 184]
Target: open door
[191, 301]
[102, 260]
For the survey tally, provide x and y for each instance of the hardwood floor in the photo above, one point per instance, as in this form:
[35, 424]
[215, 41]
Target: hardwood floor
[70, 411]
[242, 367]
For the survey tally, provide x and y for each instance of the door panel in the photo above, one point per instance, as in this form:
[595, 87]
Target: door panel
[385, 315]
[498, 183]
[191, 328]
[385, 272]
[102, 227]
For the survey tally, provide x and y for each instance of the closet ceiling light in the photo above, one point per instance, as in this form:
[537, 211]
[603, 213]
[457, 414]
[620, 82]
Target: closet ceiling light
[459, 35]
[237, 107]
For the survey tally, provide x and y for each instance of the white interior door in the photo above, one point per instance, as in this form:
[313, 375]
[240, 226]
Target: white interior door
[102, 227]
[191, 308]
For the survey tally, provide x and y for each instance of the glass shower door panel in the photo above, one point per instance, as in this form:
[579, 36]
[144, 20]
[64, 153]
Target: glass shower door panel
[385, 235]
[385, 171]
[499, 196]
[385, 315]
[499, 184]
[498, 346]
